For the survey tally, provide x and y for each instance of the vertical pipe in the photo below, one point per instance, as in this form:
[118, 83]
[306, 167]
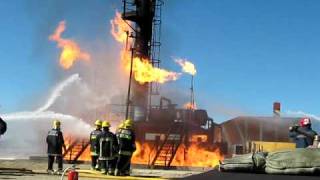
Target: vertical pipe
[129, 87]
[192, 93]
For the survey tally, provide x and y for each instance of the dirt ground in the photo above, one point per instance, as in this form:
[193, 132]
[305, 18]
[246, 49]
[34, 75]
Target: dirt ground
[36, 170]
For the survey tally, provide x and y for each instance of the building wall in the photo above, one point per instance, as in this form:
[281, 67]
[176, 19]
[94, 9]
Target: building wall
[241, 130]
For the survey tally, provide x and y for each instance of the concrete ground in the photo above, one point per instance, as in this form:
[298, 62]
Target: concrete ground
[216, 175]
[36, 170]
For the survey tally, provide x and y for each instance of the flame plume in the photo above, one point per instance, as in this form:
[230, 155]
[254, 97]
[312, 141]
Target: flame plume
[194, 156]
[189, 105]
[187, 66]
[143, 70]
[119, 28]
[71, 51]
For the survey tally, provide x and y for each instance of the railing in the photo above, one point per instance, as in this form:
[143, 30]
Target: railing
[75, 150]
[168, 148]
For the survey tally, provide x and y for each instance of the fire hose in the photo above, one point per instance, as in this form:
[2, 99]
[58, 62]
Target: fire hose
[72, 175]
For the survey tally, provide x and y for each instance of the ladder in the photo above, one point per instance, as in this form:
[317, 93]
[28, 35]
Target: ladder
[74, 151]
[169, 146]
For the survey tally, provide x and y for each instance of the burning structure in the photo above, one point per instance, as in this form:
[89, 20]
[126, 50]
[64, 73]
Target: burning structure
[166, 135]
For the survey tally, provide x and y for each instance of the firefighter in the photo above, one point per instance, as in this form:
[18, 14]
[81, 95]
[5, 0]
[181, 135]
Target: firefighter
[55, 143]
[120, 126]
[94, 145]
[126, 139]
[302, 134]
[108, 148]
[3, 126]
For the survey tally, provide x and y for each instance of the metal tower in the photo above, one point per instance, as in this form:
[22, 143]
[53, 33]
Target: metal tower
[146, 18]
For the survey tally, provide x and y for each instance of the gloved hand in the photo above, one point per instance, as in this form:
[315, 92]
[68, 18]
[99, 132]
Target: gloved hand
[293, 128]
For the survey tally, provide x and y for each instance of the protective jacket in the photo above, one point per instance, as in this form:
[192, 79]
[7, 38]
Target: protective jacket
[55, 142]
[126, 139]
[302, 136]
[3, 126]
[94, 143]
[108, 145]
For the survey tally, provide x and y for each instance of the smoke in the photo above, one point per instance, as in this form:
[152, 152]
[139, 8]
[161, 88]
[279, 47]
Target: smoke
[71, 101]
[57, 91]
[73, 125]
[225, 110]
[34, 125]
[27, 132]
[75, 101]
[302, 114]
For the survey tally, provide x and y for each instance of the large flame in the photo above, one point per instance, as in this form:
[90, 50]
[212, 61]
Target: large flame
[71, 51]
[119, 28]
[143, 70]
[187, 66]
[194, 156]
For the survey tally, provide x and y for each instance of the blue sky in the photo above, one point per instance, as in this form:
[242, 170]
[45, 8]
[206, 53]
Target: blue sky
[248, 53]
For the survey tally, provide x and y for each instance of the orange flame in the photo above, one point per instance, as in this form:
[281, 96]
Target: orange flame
[194, 155]
[189, 105]
[143, 70]
[187, 66]
[85, 155]
[119, 28]
[71, 51]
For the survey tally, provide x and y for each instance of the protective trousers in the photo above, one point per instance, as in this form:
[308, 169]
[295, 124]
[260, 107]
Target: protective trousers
[108, 166]
[51, 161]
[94, 162]
[123, 165]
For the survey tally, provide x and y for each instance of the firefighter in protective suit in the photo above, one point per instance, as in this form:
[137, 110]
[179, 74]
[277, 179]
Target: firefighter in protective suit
[55, 143]
[126, 140]
[302, 134]
[120, 126]
[94, 145]
[3, 126]
[108, 148]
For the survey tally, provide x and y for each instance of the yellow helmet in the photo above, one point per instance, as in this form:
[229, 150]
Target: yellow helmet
[106, 124]
[128, 123]
[56, 123]
[121, 125]
[98, 122]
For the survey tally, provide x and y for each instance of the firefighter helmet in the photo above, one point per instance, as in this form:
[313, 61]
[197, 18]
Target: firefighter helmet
[56, 123]
[128, 123]
[98, 122]
[105, 124]
[305, 121]
[121, 125]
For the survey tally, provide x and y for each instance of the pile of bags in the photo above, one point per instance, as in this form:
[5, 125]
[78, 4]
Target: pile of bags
[298, 161]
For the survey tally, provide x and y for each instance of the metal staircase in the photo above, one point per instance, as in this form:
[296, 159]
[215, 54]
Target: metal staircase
[75, 149]
[169, 146]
